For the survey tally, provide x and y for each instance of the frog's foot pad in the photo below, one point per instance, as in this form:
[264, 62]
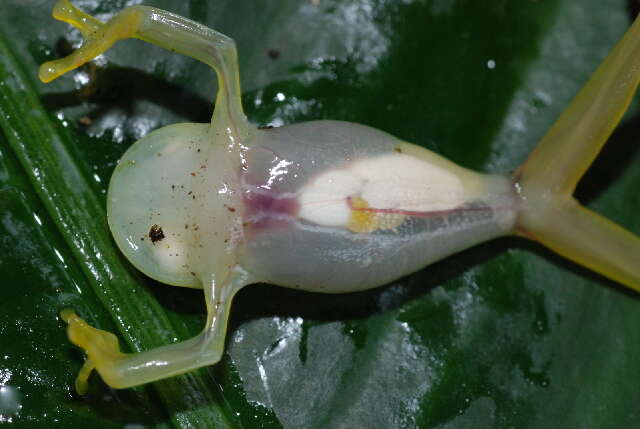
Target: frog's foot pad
[103, 352]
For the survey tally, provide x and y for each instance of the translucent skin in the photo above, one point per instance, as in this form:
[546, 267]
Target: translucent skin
[280, 247]
[324, 206]
[175, 179]
[241, 208]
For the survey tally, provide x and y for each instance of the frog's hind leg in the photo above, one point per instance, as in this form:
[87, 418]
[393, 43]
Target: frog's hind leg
[122, 370]
[164, 29]
[548, 178]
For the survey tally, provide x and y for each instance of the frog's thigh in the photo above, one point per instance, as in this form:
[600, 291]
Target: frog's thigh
[152, 202]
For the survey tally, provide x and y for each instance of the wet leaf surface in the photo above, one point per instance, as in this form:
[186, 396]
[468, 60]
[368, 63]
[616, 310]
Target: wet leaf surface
[504, 334]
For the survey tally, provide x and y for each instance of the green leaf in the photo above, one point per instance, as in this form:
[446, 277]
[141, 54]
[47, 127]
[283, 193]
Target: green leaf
[505, 334]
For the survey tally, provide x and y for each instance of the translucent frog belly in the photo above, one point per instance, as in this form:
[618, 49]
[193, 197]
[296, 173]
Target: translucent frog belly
[358, 208]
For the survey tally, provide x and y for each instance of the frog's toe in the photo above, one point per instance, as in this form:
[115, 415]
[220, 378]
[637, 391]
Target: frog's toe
[82, 380]
[65, 11]
[103, 351]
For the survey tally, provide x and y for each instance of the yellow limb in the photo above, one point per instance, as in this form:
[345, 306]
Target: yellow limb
[164, 29]
[546, 181]
[65, 11]
[579, 234]
[567, 150]
[122, 370]
[99, 37]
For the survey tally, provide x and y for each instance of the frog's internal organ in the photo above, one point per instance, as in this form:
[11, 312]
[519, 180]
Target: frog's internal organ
[362, 196]
[376, 194]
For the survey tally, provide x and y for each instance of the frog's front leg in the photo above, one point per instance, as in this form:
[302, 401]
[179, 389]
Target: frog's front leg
[122, 370]
[170, 31]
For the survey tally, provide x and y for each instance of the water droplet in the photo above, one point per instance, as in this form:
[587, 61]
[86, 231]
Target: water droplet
[10, 401]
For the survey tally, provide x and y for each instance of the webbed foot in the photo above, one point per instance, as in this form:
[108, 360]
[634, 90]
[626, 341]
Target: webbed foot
[103, 351]
[122, 370]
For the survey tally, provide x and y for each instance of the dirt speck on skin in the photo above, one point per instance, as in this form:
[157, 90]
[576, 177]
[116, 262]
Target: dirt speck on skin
[156, 233]
[274, 54]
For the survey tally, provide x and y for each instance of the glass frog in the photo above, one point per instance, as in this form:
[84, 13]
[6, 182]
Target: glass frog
[323, 206]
